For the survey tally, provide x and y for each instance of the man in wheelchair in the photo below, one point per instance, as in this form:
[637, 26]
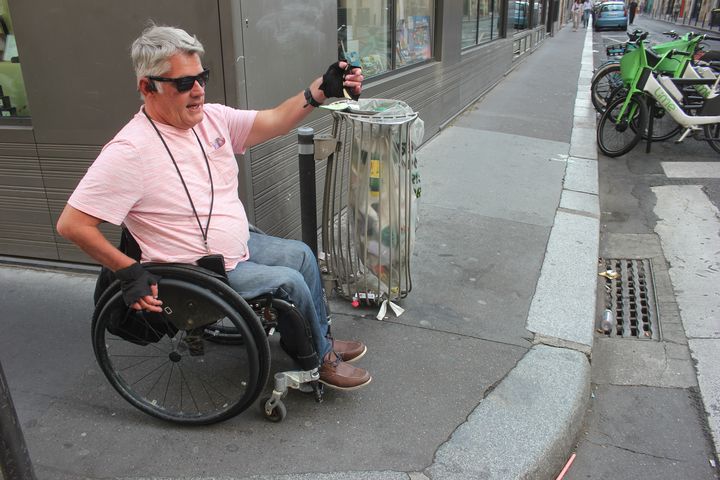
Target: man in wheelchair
[171, 178]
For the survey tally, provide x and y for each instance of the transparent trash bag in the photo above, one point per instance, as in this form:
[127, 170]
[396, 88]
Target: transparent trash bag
[378, 225]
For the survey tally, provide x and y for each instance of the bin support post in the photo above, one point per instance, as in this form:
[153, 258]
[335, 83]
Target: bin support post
[308, 207]
[14, 458]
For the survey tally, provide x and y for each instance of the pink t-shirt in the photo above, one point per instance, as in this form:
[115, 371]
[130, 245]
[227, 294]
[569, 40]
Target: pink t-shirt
[134, 181]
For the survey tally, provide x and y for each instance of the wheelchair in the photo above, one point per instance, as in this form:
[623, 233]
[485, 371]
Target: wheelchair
[206, 357]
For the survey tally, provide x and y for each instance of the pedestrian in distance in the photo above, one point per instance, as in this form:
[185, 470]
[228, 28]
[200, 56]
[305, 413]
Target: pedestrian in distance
[587, 10]
[171, 178]
[632, 8]
[576, 9]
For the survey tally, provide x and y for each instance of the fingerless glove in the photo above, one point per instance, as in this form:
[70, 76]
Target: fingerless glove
[135, 282]
[332, 82]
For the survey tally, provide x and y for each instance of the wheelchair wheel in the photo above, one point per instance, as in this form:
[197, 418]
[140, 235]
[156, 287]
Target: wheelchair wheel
[166, 365]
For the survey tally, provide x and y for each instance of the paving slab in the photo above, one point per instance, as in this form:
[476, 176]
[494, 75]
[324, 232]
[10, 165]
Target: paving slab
[642, 433]
[581, 175]
[563, 308]
[494, 174]
[646, 363]
[580, 202]
[477, 279]
[684, 212]
[706, 351]
[691, 169]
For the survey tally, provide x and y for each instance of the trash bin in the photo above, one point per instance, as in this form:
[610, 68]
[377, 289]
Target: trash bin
[715, 17]
[370, 201]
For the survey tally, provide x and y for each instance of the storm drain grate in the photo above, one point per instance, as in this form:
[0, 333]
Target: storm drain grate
[630, 296]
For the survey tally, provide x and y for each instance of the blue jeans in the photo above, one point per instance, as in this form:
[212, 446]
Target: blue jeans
[586, 17]
[287, 269]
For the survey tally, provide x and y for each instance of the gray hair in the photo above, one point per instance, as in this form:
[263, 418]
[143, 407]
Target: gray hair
[152, 50]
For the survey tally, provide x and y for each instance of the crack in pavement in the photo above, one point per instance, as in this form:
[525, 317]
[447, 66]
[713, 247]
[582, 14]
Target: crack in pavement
[636, 452]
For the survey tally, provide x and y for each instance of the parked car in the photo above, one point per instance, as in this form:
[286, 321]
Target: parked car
[611, 15]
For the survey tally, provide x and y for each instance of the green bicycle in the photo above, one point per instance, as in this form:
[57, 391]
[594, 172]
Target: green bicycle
[626, 119]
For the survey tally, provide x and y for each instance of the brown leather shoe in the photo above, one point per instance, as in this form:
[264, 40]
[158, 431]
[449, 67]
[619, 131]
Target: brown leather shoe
[341, 375]
[349, 350]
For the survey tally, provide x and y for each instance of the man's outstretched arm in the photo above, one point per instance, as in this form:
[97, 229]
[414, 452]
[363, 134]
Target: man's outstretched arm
[286, 116]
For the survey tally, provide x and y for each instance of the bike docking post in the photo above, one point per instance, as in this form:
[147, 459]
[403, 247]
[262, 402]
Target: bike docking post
[651, 116]
[15, 461]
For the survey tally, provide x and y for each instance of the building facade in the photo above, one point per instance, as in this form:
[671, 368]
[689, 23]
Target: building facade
[68, 85]
[688, 12]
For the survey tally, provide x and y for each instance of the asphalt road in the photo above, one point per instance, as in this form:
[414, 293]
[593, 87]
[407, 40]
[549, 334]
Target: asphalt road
[654, 407]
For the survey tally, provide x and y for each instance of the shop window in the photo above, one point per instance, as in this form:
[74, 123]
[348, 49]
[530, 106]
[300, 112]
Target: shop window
[480, 22]
[520, 14]
[469, 23]
[527, 13]
[538, 13]
[366, 35]
[13, 99]
[413, 35]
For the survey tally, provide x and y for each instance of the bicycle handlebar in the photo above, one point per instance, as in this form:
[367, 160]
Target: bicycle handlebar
[715, 39]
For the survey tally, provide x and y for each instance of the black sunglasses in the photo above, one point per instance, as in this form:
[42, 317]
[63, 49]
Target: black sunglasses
[183, 84]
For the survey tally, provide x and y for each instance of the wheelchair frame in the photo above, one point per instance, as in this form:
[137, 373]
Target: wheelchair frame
[193, 329]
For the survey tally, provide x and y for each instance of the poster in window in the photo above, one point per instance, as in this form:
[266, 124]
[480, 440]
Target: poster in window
[413, 40]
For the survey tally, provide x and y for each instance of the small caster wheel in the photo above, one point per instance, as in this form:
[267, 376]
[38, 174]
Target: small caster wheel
[278, 413]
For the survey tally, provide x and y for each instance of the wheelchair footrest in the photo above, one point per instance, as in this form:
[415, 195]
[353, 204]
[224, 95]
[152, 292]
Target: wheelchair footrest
[273, 408]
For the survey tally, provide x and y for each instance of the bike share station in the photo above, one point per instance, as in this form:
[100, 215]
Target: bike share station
[660, 92]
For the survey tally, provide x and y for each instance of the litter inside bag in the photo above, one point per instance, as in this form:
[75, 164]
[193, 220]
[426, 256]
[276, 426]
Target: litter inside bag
[382, 201]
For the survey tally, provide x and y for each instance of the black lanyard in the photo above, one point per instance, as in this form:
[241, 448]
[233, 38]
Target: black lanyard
[212, 188]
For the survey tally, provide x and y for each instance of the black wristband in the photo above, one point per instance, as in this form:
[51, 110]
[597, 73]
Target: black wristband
[309, 100]
[135, 282]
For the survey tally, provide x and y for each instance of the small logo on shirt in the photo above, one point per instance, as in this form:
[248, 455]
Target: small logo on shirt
[218, 142]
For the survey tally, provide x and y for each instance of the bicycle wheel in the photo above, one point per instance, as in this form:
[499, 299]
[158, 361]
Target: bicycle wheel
[615, 135]
[712, 135]
[664, 126]
[180, 375]
[605, 80]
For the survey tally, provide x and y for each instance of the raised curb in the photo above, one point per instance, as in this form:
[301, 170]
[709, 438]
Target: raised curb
[564, 303]
[526, 426]
[562, 312]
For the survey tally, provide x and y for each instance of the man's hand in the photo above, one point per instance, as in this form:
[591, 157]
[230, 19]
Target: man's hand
[338, 76]
[139, 288]
[279, 120]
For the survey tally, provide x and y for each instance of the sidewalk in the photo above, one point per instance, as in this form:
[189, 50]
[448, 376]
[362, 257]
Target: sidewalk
[700, 27]
[486, 375]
